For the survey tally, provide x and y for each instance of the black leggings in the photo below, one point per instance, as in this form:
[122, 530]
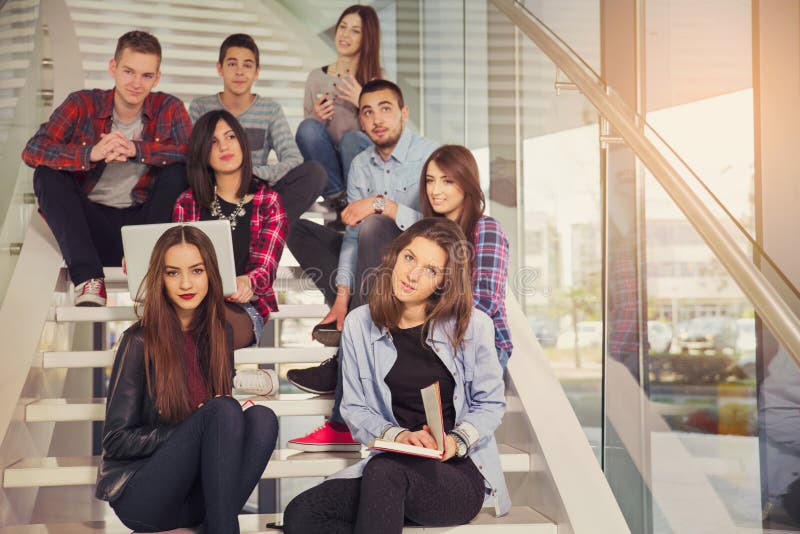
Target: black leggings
[394, 489]
[203, 473]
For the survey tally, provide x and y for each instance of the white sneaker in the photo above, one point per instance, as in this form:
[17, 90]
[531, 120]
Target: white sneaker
[92, 292]
[256, 381]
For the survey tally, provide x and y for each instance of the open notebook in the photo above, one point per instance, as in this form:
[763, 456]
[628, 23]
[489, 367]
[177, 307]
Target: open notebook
[432, 401]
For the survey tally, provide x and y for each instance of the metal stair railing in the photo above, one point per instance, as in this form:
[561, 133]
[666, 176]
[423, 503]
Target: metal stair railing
[767, 301]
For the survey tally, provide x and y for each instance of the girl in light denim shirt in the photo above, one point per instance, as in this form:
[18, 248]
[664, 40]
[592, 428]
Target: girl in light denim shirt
[418, 328]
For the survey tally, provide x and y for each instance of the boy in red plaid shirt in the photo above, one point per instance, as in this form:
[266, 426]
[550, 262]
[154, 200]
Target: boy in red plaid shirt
[109, 158]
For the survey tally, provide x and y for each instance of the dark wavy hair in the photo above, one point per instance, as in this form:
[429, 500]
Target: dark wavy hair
[199, 172]
[369, 55]
[458, 163]
[164, 343]
[451, 300]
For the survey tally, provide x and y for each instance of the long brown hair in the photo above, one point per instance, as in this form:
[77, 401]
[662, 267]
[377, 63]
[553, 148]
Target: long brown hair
[458, 163]
[369, 56]
[198, 171]
[453, 299]
[164, 343]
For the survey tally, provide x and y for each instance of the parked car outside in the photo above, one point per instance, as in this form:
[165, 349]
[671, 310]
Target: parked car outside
[746, 342]
[708, 334]
[546, 331]
[590, 334]
[659, 335]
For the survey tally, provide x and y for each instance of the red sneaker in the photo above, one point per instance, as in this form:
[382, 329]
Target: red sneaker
[326, 439]
[91, 293]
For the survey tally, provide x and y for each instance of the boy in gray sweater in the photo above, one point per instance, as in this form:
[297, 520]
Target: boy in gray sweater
[298, 183]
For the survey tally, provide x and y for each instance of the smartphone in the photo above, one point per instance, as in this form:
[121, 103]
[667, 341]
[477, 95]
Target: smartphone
[275, 524]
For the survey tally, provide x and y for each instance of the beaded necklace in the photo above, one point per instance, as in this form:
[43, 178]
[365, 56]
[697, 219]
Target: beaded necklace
[233, 218]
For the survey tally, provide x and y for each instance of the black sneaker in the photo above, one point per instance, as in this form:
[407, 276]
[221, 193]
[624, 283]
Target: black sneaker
[327, 334]
[320, 380]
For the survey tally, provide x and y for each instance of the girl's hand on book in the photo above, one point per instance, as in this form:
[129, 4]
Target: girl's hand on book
[420, 438]
[449, 447]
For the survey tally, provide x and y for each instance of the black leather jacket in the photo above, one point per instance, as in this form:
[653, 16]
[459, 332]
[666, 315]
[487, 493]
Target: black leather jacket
[132, 430]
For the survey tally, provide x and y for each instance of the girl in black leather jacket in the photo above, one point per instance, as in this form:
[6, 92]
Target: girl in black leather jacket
[178, 451]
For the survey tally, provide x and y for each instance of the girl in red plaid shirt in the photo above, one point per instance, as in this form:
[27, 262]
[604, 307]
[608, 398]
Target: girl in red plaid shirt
[220, 173]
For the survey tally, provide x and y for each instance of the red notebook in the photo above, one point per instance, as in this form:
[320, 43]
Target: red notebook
[432, 401]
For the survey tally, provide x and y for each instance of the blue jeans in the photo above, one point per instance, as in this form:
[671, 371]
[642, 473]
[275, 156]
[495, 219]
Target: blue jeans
[316, 144]
[258, 321]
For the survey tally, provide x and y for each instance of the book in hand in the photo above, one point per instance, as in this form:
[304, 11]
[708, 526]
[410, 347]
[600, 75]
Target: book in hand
[432, 400]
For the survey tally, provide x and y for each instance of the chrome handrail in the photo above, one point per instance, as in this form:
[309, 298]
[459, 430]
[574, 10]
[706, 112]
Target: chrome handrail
[774, 311]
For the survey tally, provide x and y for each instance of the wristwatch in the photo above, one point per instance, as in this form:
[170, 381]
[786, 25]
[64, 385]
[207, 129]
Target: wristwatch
[461, 446]
[379, 204]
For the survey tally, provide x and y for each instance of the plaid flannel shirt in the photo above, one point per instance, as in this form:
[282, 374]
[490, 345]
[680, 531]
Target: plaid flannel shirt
[65, 141]
[489, 277]
[268, 229]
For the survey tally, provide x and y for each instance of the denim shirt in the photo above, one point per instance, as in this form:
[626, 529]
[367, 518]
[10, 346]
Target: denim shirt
[396, 179]
[368, 355]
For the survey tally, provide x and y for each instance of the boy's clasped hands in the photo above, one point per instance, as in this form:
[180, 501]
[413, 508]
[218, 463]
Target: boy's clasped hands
[113, 147]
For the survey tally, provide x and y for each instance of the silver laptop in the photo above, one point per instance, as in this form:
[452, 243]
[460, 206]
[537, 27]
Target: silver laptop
[138, 242]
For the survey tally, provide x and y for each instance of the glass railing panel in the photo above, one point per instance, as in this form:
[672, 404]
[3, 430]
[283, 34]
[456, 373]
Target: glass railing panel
[735, 217]
[21, 111]
[698, 78]
[539, 152]
[577, 22]
[692, 425]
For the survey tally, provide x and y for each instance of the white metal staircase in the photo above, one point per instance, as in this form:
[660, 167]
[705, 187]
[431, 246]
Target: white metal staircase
[46, 404]
[35, 472]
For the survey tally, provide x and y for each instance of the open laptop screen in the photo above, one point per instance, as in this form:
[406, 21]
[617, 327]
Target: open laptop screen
[138, 242]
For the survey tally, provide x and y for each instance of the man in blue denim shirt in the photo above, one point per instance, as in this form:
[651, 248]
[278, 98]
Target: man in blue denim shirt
[383, 200]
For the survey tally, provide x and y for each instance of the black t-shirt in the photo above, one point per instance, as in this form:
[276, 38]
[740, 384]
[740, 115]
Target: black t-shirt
[241, 235]
[417, 367]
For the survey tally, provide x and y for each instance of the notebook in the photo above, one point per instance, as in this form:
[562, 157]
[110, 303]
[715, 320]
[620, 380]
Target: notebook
[138, 242]
[432, 401]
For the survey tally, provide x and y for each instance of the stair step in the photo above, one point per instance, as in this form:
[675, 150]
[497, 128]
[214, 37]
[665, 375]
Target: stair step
[519, 520]
[64, 410]
[74, 314]
[285, 463]
[16, 48]
[132, 8]
[14, 64]
[111, 35]
[255, 355]
[157, 24]
[12, 83]
[19, 33]
[25, 16]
